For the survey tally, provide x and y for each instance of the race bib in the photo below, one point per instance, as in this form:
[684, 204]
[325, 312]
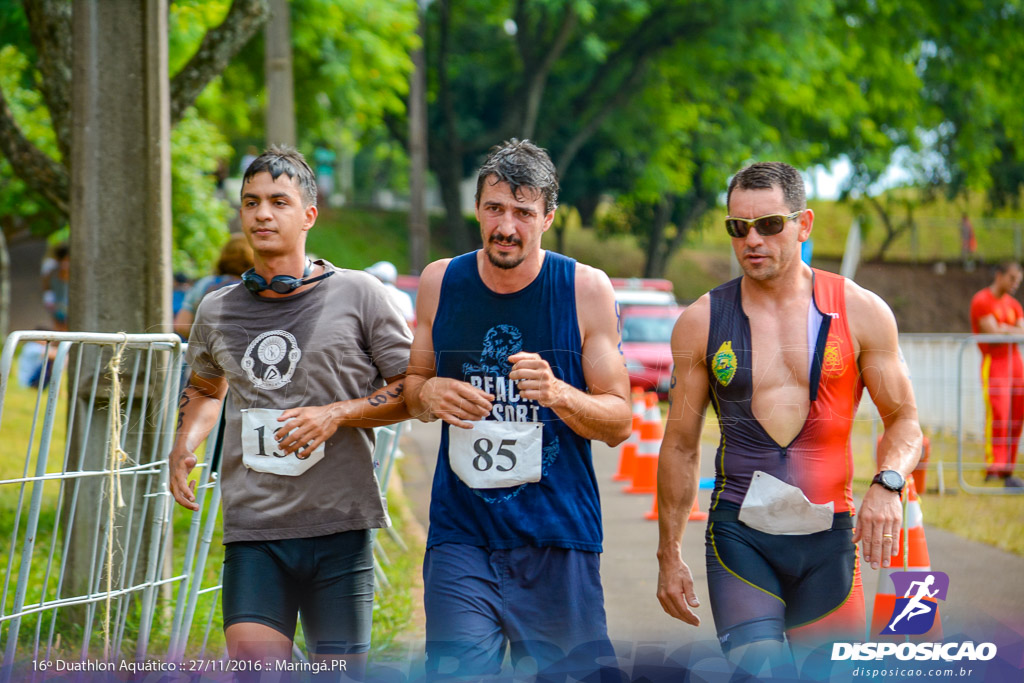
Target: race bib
[260, 450]
[775, 507]
[495, 455]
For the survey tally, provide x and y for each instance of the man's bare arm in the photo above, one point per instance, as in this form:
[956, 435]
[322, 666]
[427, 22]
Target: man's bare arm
[679, 460]
[602, 412]
[989, 325]
[430, 397]
[306, 428]
[887, 380]
[198, 411]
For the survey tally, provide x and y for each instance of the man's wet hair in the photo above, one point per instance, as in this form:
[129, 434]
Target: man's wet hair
[766, 175]
[280, 159]
[520, 164]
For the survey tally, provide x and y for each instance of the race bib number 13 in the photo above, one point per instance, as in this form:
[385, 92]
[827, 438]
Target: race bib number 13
[260, 451]
[496, 454]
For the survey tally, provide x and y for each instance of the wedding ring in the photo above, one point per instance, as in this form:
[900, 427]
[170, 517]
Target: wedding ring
[886, 535]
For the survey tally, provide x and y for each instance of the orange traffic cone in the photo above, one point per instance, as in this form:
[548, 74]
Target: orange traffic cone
[917, 559]
[627, 454]
[652, 412]
[645, 465]
[639, 402]
[695, 513]
[653, 513]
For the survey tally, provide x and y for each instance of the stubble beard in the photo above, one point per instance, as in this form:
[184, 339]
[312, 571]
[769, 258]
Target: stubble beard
[509, 262]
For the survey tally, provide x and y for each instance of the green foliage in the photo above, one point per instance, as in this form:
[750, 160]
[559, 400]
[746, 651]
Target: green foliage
[350, 63]
[188, 21]
[200, 216]
[20, 207]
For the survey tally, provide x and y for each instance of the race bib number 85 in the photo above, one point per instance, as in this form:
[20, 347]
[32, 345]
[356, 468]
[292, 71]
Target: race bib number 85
[260, 451]
[496, 454]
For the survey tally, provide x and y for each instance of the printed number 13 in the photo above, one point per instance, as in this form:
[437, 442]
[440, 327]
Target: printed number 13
[483, 460]
[259, 431]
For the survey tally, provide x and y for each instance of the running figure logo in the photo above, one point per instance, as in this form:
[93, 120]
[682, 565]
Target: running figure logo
[914, 613]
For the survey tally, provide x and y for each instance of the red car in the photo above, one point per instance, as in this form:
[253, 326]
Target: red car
[646, 332]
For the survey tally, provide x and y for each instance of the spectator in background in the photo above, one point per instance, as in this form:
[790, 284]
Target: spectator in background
[995, 311]
[386, 272]
[250, 156]
[324, 159]
[34, 357]
[235, 259]
[968, 242]
[182, 283]
[56, 276]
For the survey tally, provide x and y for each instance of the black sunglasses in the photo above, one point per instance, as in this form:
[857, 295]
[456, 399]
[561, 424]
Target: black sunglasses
[765, 225]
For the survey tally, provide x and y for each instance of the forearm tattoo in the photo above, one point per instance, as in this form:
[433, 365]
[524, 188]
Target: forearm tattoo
[384, 395]
[183, 403]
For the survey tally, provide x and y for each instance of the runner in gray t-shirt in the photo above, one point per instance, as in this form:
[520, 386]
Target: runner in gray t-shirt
[310, 364]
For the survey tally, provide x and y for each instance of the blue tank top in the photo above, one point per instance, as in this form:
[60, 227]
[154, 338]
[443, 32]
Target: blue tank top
[475, 331]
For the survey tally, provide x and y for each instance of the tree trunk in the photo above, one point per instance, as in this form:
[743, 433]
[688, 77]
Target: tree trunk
[892, 231]
[684, 226]
[419, 224]
[449, 166]
[449, 177]
[560, 238]
[656, 249]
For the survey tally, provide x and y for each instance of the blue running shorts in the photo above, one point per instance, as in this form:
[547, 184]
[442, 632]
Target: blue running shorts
[543, 603]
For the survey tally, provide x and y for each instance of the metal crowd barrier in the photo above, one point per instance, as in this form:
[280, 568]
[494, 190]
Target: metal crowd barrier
[88, 550]
[75, 562]
[945, 370]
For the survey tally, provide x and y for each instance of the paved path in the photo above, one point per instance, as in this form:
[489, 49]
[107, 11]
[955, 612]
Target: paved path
[986, 593]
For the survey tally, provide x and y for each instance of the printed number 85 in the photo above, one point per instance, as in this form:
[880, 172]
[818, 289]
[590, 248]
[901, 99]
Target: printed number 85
[483, 460]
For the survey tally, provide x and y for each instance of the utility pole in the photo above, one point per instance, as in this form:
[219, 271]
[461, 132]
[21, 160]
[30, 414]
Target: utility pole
[280, 83]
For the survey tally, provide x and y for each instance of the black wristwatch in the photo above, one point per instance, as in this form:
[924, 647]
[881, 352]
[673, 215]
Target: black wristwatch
[890, 479]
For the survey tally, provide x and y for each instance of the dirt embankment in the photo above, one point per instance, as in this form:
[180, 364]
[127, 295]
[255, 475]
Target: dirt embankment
[924, 297]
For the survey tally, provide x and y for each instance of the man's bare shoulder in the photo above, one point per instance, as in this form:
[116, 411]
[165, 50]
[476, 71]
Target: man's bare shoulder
[433, 274]
[871, 320]
[691, 329]
[595, 299]
[592, 281]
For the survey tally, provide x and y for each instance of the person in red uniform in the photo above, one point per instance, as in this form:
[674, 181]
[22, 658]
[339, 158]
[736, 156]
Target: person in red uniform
[782, 354]
[995, 311]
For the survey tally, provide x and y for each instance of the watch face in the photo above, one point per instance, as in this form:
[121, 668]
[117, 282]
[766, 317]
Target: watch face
[891, 480]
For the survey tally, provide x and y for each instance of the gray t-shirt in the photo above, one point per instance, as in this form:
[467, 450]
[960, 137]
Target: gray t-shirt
[334, 342]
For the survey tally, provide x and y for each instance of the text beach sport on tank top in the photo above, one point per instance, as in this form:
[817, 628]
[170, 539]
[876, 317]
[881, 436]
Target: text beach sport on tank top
[475, 331]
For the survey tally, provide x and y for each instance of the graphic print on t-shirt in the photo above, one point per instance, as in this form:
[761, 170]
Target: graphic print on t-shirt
[271, 359]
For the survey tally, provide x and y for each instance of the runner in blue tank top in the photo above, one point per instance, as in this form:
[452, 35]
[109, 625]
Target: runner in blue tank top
[524, 375]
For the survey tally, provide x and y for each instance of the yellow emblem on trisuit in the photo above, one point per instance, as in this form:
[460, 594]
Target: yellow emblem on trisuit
[724, 363]
[832, 364]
